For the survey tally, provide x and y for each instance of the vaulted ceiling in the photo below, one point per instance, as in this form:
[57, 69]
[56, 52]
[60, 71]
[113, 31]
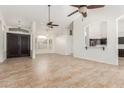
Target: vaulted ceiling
[38, 13]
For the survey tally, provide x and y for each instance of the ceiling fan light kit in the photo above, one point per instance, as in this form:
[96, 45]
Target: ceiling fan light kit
[82, 9]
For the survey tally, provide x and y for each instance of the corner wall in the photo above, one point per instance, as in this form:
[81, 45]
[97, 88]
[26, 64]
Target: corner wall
[33, 39]
[63, 42]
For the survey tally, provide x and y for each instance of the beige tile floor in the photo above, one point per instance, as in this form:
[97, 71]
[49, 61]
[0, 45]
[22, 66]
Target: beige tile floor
[52, 70]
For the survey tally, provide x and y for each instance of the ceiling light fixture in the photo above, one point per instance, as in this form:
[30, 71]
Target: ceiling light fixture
[83, 9]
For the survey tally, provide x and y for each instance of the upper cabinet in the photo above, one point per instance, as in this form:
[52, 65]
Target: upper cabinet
[96, 34]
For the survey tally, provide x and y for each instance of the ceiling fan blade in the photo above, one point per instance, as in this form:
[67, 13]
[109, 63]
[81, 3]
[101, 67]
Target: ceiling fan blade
[73, 13]
[78, 6]
[54, 25]
[95, 6]
[50, 23]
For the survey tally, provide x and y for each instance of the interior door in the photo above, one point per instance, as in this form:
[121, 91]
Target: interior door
[18, 45]
[25, 45]
[12, 45]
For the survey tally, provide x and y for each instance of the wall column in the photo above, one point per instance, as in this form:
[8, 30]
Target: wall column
[33, 41]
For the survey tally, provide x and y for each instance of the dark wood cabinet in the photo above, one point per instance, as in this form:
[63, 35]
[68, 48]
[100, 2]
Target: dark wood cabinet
[18, 45]
[121, 52]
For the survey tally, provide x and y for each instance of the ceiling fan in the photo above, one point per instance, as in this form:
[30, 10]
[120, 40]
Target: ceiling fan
[82, 9]
[50, 23]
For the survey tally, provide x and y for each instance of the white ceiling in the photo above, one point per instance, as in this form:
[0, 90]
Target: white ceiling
[38, 13]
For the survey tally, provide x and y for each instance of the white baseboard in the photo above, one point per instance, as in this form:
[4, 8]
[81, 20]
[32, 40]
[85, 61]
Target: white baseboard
[2, 60]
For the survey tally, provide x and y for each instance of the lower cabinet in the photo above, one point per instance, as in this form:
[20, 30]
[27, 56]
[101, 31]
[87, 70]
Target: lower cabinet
[121, 52]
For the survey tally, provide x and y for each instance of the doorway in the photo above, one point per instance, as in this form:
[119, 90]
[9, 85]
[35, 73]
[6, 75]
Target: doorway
[120, 23]
[18, 45]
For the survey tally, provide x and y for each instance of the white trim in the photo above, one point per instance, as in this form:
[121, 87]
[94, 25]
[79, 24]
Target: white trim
[2, 60]
[14, 32]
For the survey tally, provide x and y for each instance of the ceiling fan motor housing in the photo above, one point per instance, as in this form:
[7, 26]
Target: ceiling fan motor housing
[83, 11]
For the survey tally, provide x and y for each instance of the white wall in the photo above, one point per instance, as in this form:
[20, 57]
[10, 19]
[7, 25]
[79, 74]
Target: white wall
[94, 30]
[48, 49]
[70, 45]
[63, 42]
[121, 32]
[1, 43]
[2, 39]
[98, 29]
[43, 31]
[70, 39]
[109, 55]
[61, 45]
[4, 42]
[121, 28]
[103, 29]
